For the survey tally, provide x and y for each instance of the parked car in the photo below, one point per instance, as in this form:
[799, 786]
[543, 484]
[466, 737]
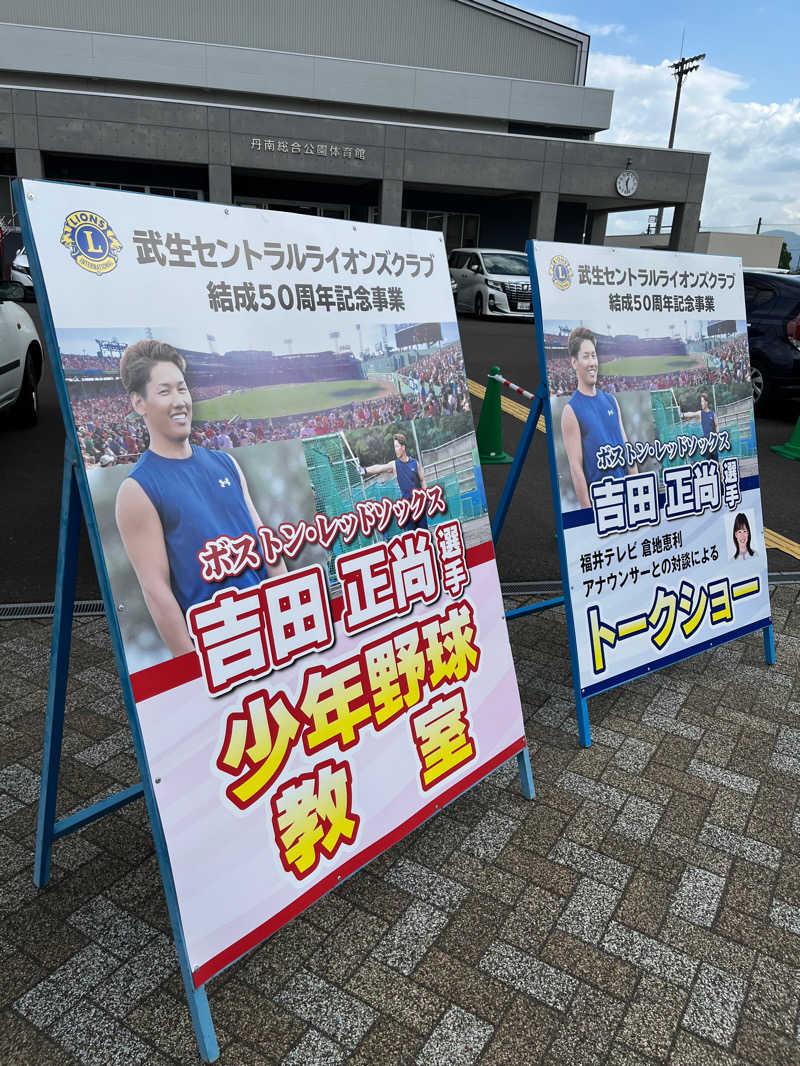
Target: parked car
[491, 281]
[21, 273]
[772, 302]
[20, 357]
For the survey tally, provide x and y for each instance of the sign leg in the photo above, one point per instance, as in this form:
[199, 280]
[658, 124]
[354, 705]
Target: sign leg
[526, 773]
[201, 1021]
[516, 467]
[69, 531]
[769, 645]
[584, 732]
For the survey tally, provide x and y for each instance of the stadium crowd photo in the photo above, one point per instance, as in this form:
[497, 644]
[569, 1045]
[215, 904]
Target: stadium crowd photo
[625, 363]
[425, 384]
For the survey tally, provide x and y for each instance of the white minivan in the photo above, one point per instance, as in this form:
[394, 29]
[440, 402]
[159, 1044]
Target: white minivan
[491, 281]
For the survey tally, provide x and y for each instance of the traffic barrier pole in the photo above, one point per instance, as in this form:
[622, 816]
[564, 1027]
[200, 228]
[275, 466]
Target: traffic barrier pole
[490, 427]
[510, 385]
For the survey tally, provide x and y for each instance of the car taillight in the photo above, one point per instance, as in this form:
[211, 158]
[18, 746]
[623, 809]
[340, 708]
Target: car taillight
[793, 331]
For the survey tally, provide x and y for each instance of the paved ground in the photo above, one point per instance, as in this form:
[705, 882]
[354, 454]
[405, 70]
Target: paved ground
[644, 909]
[30, 473]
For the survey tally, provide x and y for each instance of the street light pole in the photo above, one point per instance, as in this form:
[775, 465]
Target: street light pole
[680, 70]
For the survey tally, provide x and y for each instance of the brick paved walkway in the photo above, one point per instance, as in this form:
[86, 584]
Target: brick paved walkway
[644, 909]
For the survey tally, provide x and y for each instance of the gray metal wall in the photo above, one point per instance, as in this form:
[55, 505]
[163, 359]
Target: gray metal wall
[443, 34]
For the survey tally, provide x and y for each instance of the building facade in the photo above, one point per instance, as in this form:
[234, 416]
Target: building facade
[466, 116]
[754, 250]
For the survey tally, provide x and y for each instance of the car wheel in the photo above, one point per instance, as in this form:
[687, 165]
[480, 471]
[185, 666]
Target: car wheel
[761, 389]
[479, 305]
[26, 408]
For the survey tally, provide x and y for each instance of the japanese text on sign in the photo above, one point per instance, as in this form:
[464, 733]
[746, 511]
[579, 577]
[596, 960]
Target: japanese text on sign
[313, 813]
[241, 635]
[651, 278]
[624, 504]
[286, 147]
[716, 598]
[223, 296]
[176, 250]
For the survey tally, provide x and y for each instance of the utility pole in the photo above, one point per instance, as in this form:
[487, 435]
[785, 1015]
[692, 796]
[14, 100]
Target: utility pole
[680, 70]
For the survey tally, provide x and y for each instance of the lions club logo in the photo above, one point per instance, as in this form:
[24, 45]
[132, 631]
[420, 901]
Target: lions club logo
[91, 242]
[561, 272]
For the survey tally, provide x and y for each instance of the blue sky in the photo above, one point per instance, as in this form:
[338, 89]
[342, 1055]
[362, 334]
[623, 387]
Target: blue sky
[751, 40]
[743, 106]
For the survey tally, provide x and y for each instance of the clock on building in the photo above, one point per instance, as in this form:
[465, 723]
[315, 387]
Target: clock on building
[627, 182]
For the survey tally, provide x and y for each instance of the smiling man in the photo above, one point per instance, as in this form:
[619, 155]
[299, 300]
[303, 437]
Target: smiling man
[177, 497]
[590, 419]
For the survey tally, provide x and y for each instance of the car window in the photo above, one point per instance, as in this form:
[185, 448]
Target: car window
[473, 261]
[460, 259]
[762, 297]
[506, 264]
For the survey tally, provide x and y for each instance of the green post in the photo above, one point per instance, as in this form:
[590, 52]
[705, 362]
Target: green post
[791, 450]
[490, 429]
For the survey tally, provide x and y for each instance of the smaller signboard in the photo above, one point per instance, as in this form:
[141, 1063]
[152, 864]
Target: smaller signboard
[654, 449]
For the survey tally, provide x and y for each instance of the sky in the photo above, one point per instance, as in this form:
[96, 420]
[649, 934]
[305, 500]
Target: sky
[742, 106]
[305, 336]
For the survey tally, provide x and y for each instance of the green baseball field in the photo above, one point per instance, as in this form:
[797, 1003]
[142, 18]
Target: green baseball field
[274, 401]
[647, 365]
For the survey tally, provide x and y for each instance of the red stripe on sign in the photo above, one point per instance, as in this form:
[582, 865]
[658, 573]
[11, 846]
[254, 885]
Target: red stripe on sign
[479, 554]
[176, 672]
[157, 679]
[266, 929]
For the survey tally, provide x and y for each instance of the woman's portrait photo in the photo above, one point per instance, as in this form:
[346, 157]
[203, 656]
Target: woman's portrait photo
[743, 549]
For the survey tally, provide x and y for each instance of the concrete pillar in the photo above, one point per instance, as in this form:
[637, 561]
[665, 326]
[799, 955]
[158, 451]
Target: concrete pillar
[220, 184]
[543, 216]
[685, 224]
[29, 163]
[598, 221]
[391, 202]
[26, 134]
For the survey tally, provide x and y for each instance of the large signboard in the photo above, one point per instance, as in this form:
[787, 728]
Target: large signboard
[273, 418]
[654, 450]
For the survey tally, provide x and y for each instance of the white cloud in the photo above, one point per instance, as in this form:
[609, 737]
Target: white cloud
[755, 148]
[608, 29]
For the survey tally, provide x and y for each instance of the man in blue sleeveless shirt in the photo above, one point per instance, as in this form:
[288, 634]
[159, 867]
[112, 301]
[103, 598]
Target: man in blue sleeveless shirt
[177, 497]
[409, 474]
[707, 417]
[590, 419]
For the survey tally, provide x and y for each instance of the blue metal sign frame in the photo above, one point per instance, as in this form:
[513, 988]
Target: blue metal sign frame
[76, 502]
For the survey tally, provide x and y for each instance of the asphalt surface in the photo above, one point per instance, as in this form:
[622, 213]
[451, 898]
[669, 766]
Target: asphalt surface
[31, 464]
